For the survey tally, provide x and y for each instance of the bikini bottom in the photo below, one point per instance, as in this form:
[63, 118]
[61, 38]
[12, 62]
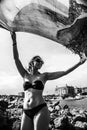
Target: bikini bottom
[32, 112]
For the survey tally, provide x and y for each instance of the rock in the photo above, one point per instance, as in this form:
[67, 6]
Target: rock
[16, 125]
[81, 125]
[79, 117]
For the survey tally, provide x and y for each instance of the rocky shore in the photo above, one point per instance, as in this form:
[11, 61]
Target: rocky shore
[61, 117]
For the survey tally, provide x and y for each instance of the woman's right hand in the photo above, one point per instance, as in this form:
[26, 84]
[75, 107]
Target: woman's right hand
[83, 58]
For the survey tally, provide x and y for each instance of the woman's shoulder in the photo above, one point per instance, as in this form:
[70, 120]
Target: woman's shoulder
[26, 76]
[44, 76]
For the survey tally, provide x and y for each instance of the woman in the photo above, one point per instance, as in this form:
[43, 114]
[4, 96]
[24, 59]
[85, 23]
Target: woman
[35, 111]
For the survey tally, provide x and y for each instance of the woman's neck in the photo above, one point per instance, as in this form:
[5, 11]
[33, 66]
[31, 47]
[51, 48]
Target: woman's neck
[34, 72]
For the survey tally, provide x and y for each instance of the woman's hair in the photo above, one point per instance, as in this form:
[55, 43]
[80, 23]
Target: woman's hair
[31, 63]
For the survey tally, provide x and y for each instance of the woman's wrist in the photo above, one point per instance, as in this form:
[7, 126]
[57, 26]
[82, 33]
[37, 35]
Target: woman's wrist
[14, 44]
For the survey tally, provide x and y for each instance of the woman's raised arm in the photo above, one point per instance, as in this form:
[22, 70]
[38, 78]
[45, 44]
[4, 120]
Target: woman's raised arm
[18, 63]
[56, 75]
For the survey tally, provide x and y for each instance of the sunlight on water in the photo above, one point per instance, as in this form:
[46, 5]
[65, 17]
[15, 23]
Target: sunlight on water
[75, 103]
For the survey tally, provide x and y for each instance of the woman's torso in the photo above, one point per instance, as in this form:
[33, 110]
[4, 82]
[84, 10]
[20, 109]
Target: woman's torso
[33, 94]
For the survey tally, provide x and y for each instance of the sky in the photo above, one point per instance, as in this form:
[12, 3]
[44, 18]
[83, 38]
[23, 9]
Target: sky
[56, 58]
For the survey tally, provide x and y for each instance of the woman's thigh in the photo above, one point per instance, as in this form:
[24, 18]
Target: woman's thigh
[26, 123]
[41, 120]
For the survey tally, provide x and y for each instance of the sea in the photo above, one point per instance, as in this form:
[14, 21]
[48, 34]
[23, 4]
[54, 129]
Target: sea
[82, 103]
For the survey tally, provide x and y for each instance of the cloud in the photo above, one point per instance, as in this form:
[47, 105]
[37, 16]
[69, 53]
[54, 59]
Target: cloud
[10, 84]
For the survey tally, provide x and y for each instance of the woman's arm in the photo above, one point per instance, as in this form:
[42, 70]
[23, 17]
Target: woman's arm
[56, 75]
[18, 63]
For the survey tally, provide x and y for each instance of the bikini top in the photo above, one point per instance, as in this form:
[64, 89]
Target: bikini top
[35, 85]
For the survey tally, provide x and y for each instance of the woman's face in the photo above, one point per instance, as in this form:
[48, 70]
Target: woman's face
[38, 63]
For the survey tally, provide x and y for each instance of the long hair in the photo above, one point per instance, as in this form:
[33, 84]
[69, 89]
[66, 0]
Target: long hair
[31, 63]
